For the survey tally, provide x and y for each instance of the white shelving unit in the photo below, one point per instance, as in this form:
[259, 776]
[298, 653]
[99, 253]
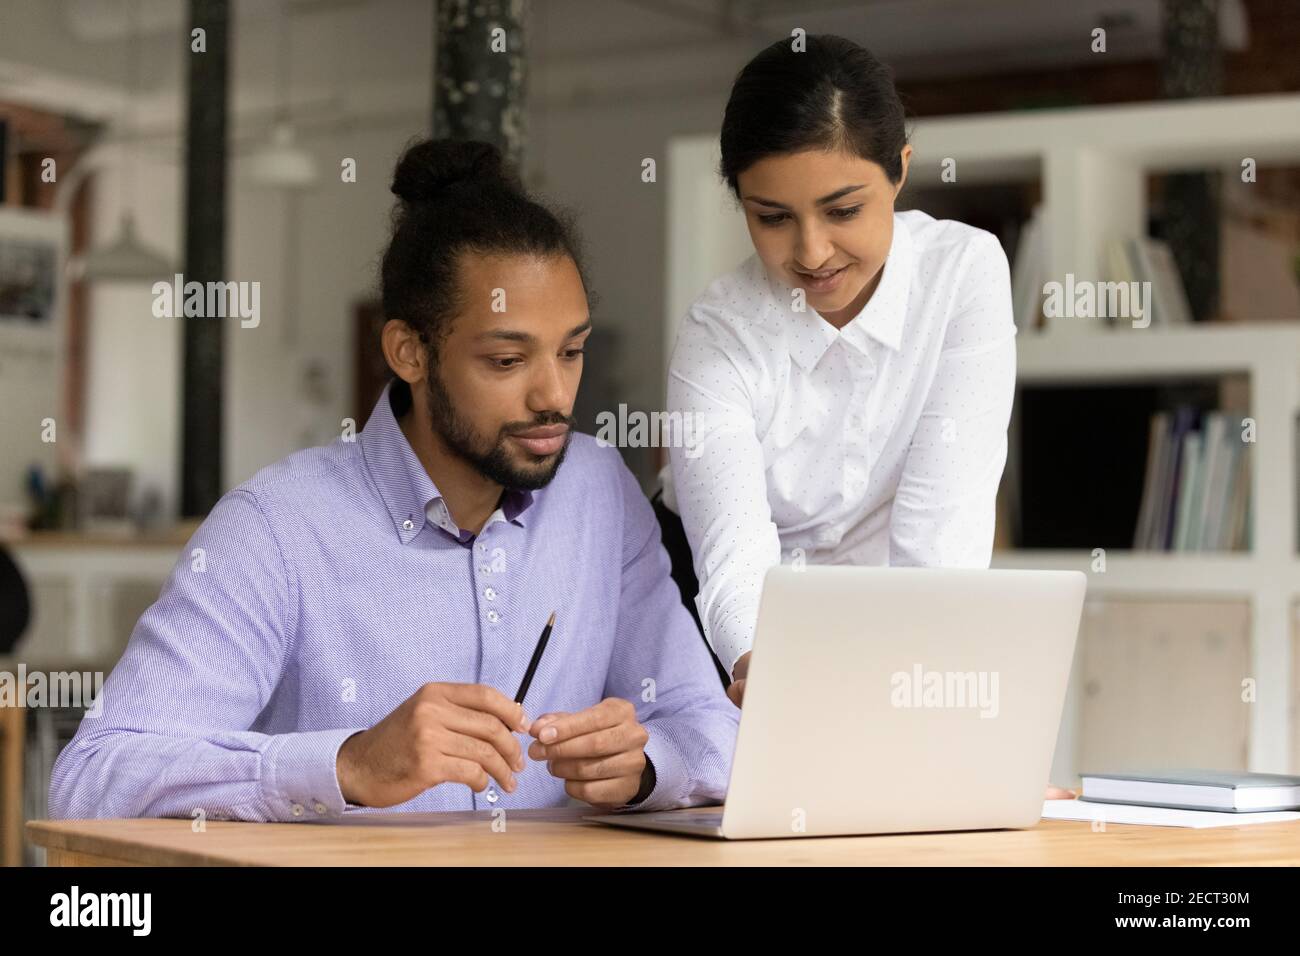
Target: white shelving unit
[1093, 164]
[1269, 575]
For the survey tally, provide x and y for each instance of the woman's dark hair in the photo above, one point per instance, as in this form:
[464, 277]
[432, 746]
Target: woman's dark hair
[456, 196]
[832, 95]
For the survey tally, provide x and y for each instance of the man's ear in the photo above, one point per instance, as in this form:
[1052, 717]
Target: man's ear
[403, 351]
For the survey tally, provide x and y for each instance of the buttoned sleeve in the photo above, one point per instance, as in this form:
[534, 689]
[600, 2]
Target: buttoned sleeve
[944, 507]
[719, 479]
[171, 737]
[661, 665]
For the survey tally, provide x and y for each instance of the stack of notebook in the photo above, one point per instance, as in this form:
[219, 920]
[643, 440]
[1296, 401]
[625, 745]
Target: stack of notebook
[1229, 791]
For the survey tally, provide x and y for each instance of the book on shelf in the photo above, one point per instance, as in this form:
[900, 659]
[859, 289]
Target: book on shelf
[1196, 489]
[1170, 298]
[1028, 272]
[1166, 502]
[1138, 259]
[1157, 441]
[1143, 259]
[1193, 477]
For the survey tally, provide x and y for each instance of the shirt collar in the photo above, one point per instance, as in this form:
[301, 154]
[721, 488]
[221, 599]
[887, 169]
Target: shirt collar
[882, 318]
[403, 483]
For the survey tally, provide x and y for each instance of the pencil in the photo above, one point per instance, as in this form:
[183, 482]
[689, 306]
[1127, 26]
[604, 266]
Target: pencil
[537, 656]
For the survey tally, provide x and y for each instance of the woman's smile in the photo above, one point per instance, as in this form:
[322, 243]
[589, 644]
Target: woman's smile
[823, 280]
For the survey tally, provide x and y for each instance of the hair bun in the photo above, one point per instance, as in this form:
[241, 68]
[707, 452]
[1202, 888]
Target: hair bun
[429, 167]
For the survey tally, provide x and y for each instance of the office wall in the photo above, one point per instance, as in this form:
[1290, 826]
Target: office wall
[315, 254]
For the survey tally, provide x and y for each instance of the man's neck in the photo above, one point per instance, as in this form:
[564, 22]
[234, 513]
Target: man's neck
[470, 498]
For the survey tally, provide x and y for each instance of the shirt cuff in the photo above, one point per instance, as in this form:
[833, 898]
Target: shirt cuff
[731, 639]
[637, 798]
[731, 654]
[300, 781]
[671, 777]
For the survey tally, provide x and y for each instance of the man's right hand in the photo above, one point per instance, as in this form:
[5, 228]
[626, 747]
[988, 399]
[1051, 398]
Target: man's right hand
[443, 733]
[736, 689]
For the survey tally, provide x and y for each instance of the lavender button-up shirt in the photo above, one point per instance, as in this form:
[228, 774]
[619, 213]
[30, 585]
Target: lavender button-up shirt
[323, 592]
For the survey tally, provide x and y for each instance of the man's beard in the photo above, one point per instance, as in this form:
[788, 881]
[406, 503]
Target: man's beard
[495, 463]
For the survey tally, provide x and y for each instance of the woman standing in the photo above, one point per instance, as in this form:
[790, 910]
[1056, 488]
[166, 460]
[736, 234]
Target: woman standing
[855, 375]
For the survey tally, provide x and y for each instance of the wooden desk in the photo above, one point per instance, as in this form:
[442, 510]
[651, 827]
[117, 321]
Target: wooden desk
[13, 749]
[12, 737]
[561, 837]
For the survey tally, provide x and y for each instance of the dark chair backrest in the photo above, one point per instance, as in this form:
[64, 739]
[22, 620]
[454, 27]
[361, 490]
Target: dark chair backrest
[15, 603]
[683, 570]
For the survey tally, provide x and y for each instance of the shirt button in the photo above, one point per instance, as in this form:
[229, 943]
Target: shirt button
[484, 569]
[296, 809]
[320, 808]
[408, 524]
[482, 548]
[493, 616]
[490, 594]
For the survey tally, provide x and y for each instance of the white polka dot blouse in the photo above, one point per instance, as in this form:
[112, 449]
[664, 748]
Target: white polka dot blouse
[881, 443]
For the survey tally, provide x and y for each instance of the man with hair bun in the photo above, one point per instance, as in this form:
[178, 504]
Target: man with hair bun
[364, 608]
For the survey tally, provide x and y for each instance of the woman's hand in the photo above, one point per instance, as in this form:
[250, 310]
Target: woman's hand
[736, 690]
[1057, 793]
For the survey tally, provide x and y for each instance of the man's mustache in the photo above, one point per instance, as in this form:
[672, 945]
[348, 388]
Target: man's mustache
[555, 418]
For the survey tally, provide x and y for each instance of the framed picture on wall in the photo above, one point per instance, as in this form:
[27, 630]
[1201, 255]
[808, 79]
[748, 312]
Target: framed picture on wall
[27, 280]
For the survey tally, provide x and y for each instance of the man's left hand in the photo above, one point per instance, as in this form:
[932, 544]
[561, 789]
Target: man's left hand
[599, 752]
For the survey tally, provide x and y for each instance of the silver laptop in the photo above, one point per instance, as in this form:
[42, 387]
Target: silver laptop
[895, 700]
